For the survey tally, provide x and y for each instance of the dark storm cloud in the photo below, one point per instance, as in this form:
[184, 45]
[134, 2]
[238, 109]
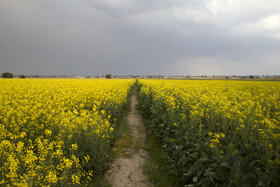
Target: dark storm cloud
[139, 37]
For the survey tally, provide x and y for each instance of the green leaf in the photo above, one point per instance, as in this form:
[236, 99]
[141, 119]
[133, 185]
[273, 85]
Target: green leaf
[211, 174]
[260, 183]
[203, 157]
[194, 154]
[189, 185]
[235, 152]
[275, 177]
[225, 165]
[171, 140]
[195, 179]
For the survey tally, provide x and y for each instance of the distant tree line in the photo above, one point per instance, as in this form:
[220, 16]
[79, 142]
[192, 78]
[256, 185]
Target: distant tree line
[10, 75]
[7, 75]
[108, 76]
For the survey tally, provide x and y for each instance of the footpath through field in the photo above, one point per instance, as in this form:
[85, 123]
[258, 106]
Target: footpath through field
[126, 170]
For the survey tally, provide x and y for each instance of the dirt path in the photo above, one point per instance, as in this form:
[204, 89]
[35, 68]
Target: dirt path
[126, 172]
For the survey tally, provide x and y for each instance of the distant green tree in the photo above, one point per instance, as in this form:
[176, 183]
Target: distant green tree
[251, 76]
[7, 75]
[22, 76]
[108, 76]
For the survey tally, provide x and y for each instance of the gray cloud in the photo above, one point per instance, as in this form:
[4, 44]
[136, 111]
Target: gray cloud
[139, 37]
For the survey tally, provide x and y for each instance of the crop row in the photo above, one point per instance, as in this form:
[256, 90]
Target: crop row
[58, 131]
[219, 133]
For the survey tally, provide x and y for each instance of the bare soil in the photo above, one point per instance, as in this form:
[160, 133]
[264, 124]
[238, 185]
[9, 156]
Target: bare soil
[126, 172]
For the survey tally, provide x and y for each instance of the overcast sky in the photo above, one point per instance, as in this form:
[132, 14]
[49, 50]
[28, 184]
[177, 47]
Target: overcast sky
[146, 37]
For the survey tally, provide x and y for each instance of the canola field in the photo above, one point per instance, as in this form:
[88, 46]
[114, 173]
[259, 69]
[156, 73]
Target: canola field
[58, 131]
[214, 132]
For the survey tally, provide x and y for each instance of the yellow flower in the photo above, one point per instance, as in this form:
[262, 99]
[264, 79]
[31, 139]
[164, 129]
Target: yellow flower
[211, 145]
[75, 179]
[215, 141]
[22, 134]
[48, 132]
[74, 147]
[87, 158]
[68, 163]
[217, 136]
[52, 177]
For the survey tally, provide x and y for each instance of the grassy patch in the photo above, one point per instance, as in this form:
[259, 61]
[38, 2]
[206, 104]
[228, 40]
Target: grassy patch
[155, 169]
[124, 141]
[99, 181]
[137, 146]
